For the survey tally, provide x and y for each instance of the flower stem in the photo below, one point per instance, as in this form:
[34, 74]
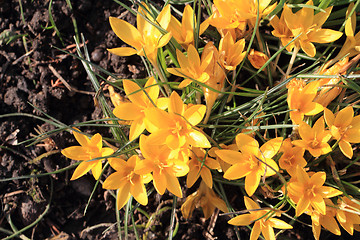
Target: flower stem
[162, 79]
[233, 87]
[292, 60]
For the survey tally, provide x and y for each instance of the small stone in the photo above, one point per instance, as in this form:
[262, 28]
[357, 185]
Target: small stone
[97, 55]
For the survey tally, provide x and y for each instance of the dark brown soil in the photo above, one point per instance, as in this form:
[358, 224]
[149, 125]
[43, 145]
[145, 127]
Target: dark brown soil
[28, 69]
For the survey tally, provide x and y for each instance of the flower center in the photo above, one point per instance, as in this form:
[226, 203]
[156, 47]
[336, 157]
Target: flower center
[314, 143]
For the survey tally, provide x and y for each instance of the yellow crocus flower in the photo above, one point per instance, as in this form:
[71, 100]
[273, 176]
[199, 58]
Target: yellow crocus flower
[308, 26]
[292, 157]
[200, 165]
[232, 14]
[308, 191]
[205, 198]
[251, 162]
[263, 222]
[257, 59]
[231, 52]
[146, 39]
[324, 220]
[90, 149]
[216, 77]
[191, 68]
[140, 100]
[352, 43]
[175, 128]
[126, 181]
[184, 32]
[345, 128]
[314, 139]
[300, 100]
[282, 31]
[346, 214]
[164, 170]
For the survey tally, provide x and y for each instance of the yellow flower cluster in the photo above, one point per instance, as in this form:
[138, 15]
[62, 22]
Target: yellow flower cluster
[172, 145]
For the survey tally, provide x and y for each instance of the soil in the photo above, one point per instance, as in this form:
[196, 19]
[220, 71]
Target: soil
[30, 67]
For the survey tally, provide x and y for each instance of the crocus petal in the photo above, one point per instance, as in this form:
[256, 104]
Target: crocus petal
[268, 232]
[353, 135]
[96, 170]
[279, 224]
[324, 35]
[153, 91]
[138, 190]
[318, 178]
[255, 232]
[308, 48]
[250, 204]
[270, 167]
[203, 26]
[197, 139]
[351, 22]
[344, 117]
[271, 147]
[126, 32]
[195, 114]
[247, 144]
[191, 178]
[346, 148]
[113, 181]
[330, 224]
[128, 111]
[355, 123]
[316, 229]
[82, 169]
[164, 17]
[318, 204]
[173, 141]
[123, 51]
[184, 83]
[180, 168]
[237, 171]
[76, 153]
[162, 103]
[229, 156]
[164, 40]
[123, 195]
[305, 132]
[173, 185]
[160, 182]
[176, 105]
[106, 151]
[117, 163]
[296, 117]
[188, 18]
[193, 56]
[252, 181]
[134, 92]
[137, 127]
[302, 176]
[206, 176]
[81, 138]
[96, 140]
[241, 220]
[144, 167]
[176, 72]
[329, 192]
[329, 117]
[313, 108]
[321, 17]
[219, 203]
[302, 206]
[158, 118]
